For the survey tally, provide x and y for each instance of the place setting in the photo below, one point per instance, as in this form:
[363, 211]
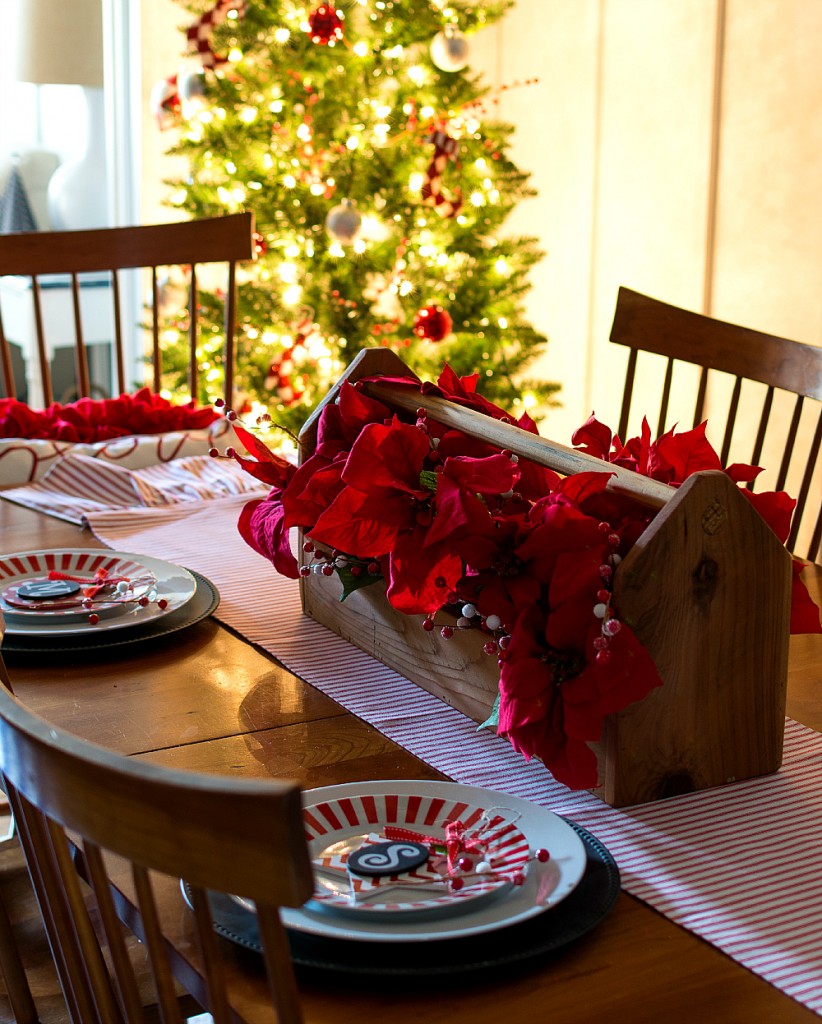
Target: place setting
[72, 599]
[420, 879]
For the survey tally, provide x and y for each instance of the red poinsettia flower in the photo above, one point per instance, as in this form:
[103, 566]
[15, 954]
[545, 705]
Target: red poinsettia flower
[497, 582]
[552, 702]
[342, 420]
[382, 495]
[532, 712]
[89, 419]
[465, 490]
[383, 508]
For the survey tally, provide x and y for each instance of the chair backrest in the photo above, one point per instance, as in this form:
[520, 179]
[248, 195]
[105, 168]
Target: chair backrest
[81, 810]
[103, 253]
[644, 324]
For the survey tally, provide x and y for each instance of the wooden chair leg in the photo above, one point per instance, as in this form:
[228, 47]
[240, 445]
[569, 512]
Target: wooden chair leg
[11, 965]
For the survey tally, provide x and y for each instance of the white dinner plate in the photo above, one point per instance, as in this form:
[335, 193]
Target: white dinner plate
[427, 891]
[174, 585]
[418, 802]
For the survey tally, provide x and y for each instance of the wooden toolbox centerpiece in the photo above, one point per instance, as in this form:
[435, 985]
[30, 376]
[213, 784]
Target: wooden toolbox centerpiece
[706, 589]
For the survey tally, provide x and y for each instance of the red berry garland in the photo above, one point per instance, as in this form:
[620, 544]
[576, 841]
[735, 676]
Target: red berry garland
[325, 25]
[433, 323]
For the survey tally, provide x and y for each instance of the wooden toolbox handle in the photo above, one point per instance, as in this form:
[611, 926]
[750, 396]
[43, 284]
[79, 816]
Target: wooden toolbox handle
[526, 445]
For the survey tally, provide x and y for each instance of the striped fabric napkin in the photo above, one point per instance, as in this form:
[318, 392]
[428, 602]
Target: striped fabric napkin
[79, 484]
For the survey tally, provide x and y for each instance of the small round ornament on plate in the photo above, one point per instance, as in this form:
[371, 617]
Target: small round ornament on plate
[47, 590]
[389, 858]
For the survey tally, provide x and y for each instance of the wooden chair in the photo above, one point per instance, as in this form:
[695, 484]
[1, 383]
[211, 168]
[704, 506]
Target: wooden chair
[80, 809]
[104, 253]
[647, 325]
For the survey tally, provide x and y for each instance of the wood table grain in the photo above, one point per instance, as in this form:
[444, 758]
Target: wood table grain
[204, 699]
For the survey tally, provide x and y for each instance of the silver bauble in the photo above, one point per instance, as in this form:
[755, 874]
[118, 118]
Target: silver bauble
[343, 222]
[450, 50]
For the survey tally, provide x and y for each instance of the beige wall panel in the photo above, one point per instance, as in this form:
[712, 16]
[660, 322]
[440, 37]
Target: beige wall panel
[556, 42]
[653, 173]
[768, 261]
[768, 266]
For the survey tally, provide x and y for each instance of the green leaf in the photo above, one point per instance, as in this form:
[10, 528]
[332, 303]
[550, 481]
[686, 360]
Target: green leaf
[428, 479]
[350, 582]
[492, 721]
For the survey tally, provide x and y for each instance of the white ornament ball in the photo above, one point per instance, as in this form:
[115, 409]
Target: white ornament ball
[191, 85]
[343, 222]
[450, 50]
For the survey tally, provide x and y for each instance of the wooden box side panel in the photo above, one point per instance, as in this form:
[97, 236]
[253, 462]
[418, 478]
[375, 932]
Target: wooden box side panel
[707, 592]
[456, 670]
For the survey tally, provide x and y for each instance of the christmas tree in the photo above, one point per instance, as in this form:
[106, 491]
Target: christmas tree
[379, 181]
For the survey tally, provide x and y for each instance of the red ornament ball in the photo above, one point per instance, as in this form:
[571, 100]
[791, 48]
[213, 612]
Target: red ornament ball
[325, 25]
[432, 323]
[260, 244]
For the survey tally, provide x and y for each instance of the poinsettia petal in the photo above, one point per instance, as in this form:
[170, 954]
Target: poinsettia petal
[387, 456]
[804, 613]
[776, 508]
[261, 526]
[419, 585]
[742, 473]
[594, 438]
[312, 488]
[356, 524]
[495, 474]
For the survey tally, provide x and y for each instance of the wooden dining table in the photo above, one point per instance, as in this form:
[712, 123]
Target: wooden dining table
[205, 699]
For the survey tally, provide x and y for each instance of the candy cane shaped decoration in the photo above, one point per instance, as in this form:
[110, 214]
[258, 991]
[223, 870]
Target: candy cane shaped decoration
[445, 149]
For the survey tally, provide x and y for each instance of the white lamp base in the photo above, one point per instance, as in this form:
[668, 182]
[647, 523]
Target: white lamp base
[77, 192]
